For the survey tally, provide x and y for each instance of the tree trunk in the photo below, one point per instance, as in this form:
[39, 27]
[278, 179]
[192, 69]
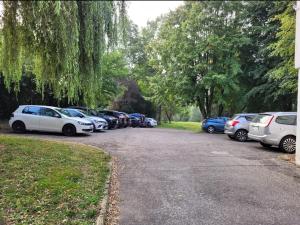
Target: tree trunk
[159, 114]
[201, 107]
[220, 110]
[169, 116]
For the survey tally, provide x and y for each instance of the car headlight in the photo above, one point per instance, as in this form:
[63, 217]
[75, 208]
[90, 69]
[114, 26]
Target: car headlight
[82, 123]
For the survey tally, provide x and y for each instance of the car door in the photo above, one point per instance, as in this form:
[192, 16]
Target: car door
[283, 125]
[50, 120]
[31, 117]
[220, 124]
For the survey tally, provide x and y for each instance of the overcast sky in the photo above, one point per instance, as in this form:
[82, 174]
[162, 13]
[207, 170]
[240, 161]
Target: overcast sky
[142, 11]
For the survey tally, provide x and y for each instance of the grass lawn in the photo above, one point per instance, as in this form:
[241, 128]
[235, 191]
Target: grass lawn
[44, 182]
[192, 126]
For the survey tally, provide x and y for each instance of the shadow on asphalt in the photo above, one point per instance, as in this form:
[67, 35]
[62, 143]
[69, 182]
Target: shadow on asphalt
[46, 134]
[269, 149]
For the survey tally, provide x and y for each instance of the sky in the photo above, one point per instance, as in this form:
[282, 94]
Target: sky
[142, 11]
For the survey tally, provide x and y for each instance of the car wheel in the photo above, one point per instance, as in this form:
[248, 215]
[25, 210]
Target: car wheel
[211, 129]
[241, 135]
[69, 130]
[265, 145]
[231, 137]
[288, 144]
[18, 127]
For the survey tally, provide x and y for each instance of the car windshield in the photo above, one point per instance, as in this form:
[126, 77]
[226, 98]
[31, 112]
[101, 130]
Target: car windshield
[85, 113]
[262, 118]
[63, 111]
[75, 113]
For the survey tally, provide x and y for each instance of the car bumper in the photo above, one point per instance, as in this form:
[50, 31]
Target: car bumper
[256, 137]
[229, 130]
[264, 139]
[100, 127]
[83, 129]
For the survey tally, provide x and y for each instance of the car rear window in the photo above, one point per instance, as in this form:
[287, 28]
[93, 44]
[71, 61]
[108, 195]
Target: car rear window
[249, 118]
[234, 117]
[33, 110]
[287, 120]
[262, 118]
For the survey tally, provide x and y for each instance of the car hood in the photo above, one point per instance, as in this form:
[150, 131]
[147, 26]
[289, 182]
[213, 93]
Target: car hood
[92, 118]
[77, 119]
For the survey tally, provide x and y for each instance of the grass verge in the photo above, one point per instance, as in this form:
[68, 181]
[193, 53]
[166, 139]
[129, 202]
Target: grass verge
[192, 126]
[44, 182]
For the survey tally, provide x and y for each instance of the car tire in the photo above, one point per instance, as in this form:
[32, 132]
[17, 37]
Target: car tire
[19, 127]
[265, 145]
[69, 130]
[231, 137]
[288, 144]
[241, 135]
[211, 129]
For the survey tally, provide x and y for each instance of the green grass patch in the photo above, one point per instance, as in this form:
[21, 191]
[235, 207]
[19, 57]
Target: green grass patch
[46, 182]
[192, 126]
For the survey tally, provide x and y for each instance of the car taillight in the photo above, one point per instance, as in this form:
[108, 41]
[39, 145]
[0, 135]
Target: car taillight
[270, 121]
[234, 122]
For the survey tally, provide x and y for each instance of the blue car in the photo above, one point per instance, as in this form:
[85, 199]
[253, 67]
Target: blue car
[216, 124]
[140, 117]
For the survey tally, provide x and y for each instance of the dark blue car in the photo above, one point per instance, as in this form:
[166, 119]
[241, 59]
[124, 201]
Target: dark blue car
[137, 119]
[216, 124]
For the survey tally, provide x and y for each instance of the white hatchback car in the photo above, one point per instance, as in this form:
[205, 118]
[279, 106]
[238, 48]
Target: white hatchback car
[277, 128]
[48, 118]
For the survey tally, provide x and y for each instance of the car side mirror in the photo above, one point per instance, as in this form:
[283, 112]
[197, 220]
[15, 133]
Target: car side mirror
[57, 115]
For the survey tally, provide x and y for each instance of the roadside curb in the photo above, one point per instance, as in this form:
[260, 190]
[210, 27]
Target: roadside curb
[104, 203]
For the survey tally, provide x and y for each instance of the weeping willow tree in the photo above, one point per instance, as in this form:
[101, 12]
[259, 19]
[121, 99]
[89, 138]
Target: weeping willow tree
[62, 43]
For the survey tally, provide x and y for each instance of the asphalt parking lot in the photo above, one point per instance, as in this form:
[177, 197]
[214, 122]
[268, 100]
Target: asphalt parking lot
[172, 177]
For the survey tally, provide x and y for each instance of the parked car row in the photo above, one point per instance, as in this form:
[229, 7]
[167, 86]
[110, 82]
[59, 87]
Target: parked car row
[73, 120]
[269, 129]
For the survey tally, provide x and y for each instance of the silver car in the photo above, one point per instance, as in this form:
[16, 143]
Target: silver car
[275, 128]
[99, 124]
[238, 127]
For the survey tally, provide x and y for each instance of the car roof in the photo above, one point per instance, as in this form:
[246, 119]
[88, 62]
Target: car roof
[246, 114]
[46, 106]
[280, 113]
[78, 110]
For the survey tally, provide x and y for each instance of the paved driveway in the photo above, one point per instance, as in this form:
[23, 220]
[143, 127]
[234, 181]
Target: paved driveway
[172, 177]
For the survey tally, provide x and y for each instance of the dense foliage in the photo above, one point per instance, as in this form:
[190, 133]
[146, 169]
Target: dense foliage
[62, 43]
[224, 57]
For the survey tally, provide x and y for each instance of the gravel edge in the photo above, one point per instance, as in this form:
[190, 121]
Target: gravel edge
[104, 202]
[113, 212]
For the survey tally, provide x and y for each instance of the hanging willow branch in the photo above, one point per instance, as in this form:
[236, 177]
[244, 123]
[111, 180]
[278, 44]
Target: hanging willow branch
[61, 43]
